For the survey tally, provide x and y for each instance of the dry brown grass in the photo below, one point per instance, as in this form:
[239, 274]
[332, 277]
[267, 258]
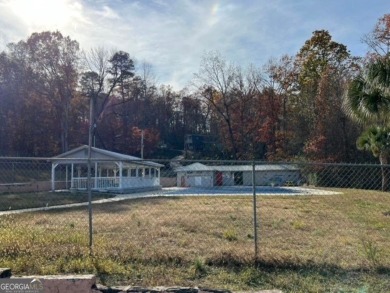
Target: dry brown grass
[305, 242]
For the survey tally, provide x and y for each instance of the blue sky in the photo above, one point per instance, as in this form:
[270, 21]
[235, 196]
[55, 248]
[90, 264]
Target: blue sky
[172, 35]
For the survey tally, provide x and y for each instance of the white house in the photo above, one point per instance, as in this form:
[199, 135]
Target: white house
[228, 175]
[111, 171]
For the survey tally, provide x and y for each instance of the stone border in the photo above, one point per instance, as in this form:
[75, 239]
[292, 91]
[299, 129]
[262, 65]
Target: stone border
[135, 289]
[56, 283]
[87, 284]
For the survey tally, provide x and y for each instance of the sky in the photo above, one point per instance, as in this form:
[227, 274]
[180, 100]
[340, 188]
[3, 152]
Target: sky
[173, 35]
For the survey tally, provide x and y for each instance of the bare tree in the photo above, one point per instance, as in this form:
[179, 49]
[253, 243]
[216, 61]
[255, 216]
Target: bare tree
[215, 82]
[233, 95]
[378, 40]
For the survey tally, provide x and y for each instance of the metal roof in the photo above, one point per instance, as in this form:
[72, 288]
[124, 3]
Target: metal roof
[237, 168]
[80, 154]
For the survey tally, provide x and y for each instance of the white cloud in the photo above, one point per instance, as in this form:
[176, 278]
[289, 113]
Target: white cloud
[174, 34]
[108, 13]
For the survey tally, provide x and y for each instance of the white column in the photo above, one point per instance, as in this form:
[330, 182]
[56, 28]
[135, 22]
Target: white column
[66, 176]
[96, 175]
[120, 174]
[71, 175]
[53, 176]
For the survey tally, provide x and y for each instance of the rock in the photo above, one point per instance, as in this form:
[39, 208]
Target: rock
[208, 290]
[181, 290]
[5, 273]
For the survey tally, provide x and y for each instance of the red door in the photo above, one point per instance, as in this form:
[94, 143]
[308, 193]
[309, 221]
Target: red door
[219, 178]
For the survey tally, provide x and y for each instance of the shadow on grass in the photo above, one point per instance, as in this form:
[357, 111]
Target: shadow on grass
[231, 262]
[127, 204]
[295, 276]
[286, 276]
[321, 268]
[18, 201]
[121, 206]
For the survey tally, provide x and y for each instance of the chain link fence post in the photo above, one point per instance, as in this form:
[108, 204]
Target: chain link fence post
[89, 187]
[254, 208]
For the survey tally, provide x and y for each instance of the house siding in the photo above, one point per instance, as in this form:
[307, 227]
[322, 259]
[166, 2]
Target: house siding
[262, 178]
[195, 179]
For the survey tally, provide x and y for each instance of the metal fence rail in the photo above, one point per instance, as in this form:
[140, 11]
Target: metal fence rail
[183, 212]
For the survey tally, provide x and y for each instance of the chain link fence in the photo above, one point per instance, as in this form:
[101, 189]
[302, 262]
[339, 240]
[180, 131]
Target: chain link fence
[151, 219]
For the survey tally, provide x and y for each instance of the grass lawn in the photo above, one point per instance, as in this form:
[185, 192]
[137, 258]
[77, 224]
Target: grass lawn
[332, 243]
[16, 201]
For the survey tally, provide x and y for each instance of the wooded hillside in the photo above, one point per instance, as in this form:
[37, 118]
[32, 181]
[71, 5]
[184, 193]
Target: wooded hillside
[290, 108]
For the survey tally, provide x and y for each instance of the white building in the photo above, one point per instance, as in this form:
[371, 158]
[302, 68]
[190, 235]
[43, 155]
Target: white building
[111, 171]
[228, 175]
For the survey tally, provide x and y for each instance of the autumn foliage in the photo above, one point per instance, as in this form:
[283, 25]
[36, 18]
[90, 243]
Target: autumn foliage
[290, 109]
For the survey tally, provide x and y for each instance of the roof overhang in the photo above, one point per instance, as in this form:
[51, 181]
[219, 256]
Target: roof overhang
[80, 156]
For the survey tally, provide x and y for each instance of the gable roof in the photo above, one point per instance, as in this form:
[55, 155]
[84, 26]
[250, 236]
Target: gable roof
[80, 154]
[194, 167]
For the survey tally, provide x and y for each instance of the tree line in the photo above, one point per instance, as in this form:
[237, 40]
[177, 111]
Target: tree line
[313, 106]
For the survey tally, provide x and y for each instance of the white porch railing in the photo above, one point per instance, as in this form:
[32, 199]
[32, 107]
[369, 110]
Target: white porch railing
[135, 182]
[105, 182]
[80, 183]
[114, 182]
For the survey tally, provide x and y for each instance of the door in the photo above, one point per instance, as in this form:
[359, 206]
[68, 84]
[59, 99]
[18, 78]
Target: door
[238, 178]
[218, 178]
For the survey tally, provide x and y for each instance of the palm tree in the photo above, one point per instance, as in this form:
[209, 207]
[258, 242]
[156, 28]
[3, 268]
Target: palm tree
[368, 96]
[377, 140]
[368, 102]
